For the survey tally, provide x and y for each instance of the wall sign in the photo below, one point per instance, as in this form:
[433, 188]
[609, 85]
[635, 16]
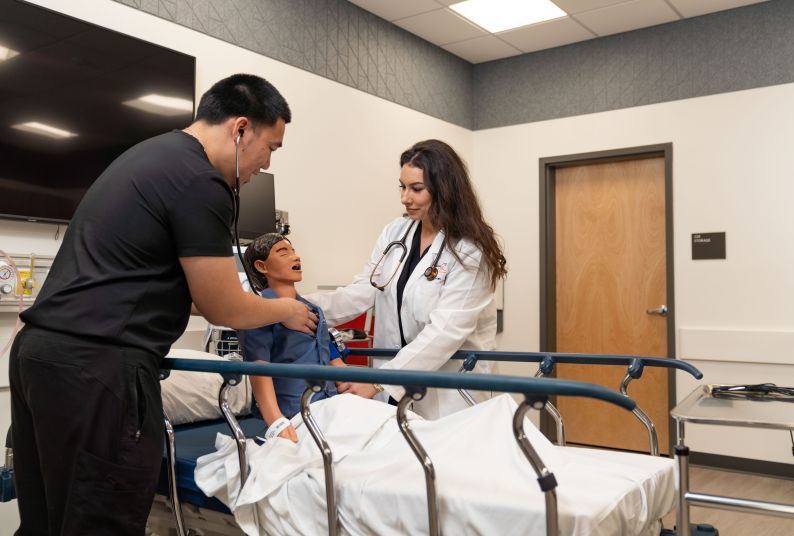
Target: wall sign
[708, 246]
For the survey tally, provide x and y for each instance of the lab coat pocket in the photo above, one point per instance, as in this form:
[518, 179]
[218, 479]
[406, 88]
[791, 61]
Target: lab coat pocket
[424, 299]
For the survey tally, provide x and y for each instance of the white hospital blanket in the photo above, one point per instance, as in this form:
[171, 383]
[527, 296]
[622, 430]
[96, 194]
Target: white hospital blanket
[484, 483]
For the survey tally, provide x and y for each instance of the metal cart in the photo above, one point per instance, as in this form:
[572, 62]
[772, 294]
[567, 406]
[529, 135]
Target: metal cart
[703, 407]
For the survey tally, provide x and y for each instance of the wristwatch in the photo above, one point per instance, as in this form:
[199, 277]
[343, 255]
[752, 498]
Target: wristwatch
[378, 387]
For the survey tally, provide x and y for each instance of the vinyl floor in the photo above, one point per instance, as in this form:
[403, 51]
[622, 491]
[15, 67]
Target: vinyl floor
[746, 486]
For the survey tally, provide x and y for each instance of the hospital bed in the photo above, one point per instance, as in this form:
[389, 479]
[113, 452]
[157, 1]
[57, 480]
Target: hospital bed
[187, 442]
[546, 362]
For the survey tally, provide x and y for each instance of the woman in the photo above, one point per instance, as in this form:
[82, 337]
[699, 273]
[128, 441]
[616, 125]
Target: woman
[431, 277]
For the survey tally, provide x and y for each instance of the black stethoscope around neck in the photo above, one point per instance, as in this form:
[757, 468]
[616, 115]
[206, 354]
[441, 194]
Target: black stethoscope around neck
[236, 196]
[430, 273]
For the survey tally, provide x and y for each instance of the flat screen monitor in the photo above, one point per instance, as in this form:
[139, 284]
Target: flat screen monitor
[257, 207]
[73, 97]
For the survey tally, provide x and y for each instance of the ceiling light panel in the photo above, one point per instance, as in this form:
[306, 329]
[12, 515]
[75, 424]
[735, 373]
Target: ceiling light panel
[500, 15]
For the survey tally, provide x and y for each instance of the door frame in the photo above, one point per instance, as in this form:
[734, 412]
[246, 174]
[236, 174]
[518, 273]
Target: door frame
[548, 257]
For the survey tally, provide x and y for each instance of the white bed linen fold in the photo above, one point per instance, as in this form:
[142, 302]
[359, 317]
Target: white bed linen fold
[485, 484]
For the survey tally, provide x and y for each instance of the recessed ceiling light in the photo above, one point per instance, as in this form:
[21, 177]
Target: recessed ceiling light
[43, 129]
[162, 105]
[500, 15]
[6, 53]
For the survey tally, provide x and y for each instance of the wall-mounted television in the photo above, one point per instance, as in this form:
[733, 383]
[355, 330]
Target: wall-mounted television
[74, 96]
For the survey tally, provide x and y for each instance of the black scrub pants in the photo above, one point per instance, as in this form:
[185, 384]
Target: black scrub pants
[87, 425]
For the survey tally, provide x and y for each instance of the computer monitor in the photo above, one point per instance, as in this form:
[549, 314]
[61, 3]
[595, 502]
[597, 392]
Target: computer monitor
[257, 207]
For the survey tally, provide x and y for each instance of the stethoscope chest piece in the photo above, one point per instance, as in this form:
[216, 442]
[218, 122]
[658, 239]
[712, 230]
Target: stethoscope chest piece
[431, 272]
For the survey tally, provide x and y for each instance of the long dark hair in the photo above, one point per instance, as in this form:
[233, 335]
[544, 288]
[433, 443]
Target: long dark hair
[455, 208]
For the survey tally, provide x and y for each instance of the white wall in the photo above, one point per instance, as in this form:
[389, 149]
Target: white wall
[336, 175]
[731, 172]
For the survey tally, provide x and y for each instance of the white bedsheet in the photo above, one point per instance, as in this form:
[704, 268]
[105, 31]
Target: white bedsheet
[485, 485]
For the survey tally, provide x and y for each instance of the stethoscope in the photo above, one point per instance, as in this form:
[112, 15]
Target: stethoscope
[236, 191]
[431, 272]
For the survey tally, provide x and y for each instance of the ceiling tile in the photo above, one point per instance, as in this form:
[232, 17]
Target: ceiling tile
[548, 34]
[391, 10]
[482, 49]
[693, 8]
[577, 6]
[440, 27]
[628, 16]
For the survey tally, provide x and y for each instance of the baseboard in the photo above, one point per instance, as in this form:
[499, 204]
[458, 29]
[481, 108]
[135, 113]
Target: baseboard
[745, 465]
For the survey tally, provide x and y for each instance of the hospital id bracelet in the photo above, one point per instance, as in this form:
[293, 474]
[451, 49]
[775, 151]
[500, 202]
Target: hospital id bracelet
[278, 426]
[378, 387]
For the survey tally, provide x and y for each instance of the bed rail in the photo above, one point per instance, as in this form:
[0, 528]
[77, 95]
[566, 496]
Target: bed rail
[556, 357]
[546, 363]
[535, 391]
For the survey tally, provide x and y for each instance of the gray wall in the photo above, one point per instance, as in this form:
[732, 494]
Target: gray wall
[731, 50]
[727, 51]
[337, 40]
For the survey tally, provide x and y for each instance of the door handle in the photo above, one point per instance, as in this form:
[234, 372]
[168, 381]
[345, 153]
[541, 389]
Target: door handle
[661, 311]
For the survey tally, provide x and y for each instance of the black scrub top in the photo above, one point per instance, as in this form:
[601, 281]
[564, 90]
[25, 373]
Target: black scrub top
[117, 277]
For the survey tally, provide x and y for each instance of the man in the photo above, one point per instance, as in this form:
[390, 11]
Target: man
[151, 236]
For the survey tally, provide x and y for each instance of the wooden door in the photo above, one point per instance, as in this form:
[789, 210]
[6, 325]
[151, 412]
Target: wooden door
[610, 269]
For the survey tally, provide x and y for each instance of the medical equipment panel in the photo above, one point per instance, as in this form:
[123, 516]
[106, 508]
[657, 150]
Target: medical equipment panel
[32, 270]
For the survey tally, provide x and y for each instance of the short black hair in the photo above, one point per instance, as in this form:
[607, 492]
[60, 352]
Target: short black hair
[243, 95]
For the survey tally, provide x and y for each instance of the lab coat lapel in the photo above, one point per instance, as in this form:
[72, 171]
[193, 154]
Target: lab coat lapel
[418, 275]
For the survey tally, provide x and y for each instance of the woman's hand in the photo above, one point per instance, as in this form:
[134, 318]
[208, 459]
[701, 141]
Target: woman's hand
[364, 390]
[289, 433]
[338, 362]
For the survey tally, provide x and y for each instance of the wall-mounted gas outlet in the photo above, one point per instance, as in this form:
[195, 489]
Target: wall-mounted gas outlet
[25, 282]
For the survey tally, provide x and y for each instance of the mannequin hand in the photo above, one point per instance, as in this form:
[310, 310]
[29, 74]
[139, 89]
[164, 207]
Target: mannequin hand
[289, 433]
[364, 390]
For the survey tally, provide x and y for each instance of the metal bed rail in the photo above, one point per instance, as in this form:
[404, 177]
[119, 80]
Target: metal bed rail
[546, 364]
[535, 391]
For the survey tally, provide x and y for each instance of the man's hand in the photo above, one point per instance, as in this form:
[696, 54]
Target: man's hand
[364, 390]
[300, 318]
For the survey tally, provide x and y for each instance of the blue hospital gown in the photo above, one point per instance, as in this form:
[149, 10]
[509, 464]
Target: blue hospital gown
[278, 344]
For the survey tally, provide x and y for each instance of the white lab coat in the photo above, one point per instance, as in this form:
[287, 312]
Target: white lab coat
[455, 311]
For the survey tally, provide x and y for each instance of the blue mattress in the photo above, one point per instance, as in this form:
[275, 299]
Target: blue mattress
[193, 441]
